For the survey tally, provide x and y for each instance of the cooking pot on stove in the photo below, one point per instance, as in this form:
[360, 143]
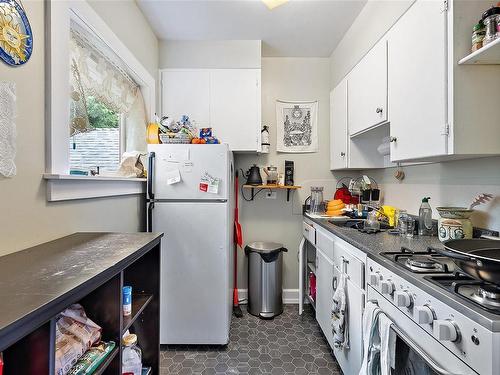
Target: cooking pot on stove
[479, 258]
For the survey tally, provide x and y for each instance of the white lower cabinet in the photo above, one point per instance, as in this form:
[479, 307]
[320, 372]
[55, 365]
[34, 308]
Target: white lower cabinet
[328, 273]
[350, 359]
[324, 294]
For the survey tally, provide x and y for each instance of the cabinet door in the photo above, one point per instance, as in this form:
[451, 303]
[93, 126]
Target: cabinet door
[186, 92]
[338, 126]
[235, 107]
[324, 294]
[350, 359]
[417, 82]
[368, 90]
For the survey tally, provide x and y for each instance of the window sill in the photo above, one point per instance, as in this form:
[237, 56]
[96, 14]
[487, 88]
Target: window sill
[62, 187]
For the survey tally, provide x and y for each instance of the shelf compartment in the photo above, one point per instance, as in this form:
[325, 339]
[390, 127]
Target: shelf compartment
[288, 188]
[487, 55]
[105, 365]
[139, 303]
[311, 302]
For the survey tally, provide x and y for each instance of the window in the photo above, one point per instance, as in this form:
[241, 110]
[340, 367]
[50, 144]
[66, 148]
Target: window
[103, 62]
[102, 98]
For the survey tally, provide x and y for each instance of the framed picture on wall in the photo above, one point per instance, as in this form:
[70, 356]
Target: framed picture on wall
[297, 126]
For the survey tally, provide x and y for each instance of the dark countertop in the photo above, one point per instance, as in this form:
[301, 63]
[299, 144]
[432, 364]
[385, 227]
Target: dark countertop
[41, 276]
[374, 244]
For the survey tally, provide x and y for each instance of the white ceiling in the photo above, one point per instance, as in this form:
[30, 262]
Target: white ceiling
[299, 28]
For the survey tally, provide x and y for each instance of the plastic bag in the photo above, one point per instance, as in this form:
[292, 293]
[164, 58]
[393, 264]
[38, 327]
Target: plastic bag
[75, 333]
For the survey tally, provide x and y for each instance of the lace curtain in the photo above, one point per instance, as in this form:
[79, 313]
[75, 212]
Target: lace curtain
[96, 71]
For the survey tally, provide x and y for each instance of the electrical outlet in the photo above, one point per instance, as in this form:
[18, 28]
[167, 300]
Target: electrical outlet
[270, 195]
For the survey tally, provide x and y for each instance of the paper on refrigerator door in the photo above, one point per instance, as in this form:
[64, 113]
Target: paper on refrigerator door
[209, 184]
[173, 176]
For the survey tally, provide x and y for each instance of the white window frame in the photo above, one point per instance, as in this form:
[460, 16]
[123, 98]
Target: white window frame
[59, 14]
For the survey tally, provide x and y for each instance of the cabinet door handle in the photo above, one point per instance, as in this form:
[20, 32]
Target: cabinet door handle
[342, 154]
[379, 110]
[393, 139]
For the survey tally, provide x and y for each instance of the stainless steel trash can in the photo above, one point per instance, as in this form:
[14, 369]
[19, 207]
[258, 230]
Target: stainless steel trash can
[265, 268]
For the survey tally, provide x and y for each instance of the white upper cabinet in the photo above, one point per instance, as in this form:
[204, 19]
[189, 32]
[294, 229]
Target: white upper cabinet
[186, 92]
[338, 126]
[368, 90]
[228, 100]
[417, 83]
[235, 107]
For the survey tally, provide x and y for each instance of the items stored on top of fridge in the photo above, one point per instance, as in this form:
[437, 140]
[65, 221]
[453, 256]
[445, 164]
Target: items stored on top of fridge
[131, 356]
[75, 333]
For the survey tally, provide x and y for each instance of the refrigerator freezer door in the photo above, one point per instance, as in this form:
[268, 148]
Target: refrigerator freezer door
[190, 163]
[196, 281]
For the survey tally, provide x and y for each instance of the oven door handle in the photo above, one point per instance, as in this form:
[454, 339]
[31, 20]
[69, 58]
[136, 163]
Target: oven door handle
[432, 364]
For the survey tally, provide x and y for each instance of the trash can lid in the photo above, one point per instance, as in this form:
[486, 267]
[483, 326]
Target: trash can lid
[264, 247]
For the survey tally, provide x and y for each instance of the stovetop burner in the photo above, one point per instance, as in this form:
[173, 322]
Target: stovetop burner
[421, 261]
[485, 295]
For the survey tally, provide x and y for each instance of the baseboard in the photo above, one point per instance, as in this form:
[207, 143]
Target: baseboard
[290, 296]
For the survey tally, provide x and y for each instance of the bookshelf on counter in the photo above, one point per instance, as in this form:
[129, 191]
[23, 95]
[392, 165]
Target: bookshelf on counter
[38, 283]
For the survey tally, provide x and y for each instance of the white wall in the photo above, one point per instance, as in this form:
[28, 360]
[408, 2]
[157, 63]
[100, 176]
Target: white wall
[279, 220]
[26, 218]
[210, 54]
[450, 183]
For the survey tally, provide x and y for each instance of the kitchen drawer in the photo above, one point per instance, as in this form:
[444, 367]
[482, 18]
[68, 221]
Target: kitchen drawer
[309, 233]
[324, 242]
[352, 266]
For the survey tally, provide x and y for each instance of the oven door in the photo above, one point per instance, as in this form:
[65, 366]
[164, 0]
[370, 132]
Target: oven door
[410, 356]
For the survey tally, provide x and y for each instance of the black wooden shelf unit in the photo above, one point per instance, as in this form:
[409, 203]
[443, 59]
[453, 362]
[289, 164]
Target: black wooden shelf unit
[38, 283]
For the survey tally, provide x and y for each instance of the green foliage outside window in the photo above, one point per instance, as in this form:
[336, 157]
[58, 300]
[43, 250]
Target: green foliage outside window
[100, 116]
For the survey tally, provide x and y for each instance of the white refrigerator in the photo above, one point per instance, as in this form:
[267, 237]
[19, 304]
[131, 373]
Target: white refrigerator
[190, 199]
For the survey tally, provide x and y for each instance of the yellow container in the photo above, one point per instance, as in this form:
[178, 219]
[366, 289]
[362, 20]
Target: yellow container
[153, 134]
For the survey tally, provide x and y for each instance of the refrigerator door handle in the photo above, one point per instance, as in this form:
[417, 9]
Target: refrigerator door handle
[149, 226]
[151, 158]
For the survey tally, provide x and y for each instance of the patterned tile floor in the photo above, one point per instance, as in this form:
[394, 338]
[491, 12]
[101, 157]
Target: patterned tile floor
[288, 344]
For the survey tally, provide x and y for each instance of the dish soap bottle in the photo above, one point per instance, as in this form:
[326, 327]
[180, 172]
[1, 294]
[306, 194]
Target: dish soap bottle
[425, 218]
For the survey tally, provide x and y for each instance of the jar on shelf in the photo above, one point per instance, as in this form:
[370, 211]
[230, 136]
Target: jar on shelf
[478, 33]
[490, 20]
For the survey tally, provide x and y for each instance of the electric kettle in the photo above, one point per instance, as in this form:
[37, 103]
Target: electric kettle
[253, 176]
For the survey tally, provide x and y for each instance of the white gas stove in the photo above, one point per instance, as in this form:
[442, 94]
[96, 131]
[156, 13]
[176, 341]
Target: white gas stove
[449, 340]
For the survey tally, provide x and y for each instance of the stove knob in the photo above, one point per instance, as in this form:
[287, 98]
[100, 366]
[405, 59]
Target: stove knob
[403, 299]
[424, 314]
[375, 277]
[445, 330]
[387, 287]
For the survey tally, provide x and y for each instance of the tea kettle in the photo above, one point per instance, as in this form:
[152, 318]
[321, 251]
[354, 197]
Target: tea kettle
[253, 176]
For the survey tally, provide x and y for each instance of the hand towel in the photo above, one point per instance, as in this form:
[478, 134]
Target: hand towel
[340, 327]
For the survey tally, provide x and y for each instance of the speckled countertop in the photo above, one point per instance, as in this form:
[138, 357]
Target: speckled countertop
[374, 244]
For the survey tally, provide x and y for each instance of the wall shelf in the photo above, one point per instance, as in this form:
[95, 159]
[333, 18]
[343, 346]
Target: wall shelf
[272, 187]
[487, 55]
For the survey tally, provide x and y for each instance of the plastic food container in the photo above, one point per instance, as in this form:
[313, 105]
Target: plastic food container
[490, 20]
[478, 33]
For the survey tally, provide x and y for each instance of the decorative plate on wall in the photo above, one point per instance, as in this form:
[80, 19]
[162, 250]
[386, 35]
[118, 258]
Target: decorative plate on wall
[16, 38]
